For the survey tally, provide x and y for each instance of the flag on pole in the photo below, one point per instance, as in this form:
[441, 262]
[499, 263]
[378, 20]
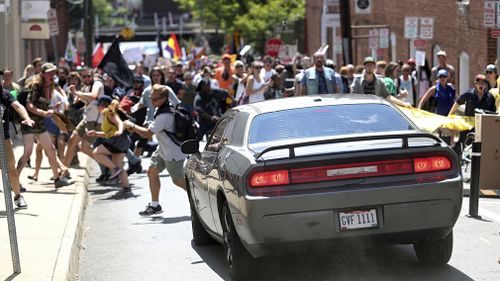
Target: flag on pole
[173, 47]
[71, 54]
[115, 65]
[97, 55]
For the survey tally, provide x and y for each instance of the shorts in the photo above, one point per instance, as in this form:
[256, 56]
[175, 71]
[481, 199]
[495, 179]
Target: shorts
[51, 126]
[38, 128]
[175, 167]
[84, 126]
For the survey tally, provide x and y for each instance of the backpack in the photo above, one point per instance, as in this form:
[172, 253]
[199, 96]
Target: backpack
[186, 128]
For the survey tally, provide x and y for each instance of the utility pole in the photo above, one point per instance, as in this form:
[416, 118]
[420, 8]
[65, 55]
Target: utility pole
[88, 31]
[345, 22]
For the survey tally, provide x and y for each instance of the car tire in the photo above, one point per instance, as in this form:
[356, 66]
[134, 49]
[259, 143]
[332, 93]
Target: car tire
[238, 260]
[437, 252]
[200, 234]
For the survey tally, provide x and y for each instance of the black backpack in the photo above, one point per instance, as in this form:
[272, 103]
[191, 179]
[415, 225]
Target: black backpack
[186, 127]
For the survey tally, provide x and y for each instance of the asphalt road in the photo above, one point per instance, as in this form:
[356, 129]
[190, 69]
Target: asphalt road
[119, 244]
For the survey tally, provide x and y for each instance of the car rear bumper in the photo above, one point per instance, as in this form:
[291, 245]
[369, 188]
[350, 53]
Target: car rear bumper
[404, 214]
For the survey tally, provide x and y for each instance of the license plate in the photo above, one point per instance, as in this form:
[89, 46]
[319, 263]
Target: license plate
[358, 219]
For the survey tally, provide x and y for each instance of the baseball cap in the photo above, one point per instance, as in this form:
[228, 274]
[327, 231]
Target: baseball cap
[104, 100]
[441, 53]
[491, 67]
[442, 72]
[368, 60]
[48, 67]
[239, 63]
[411, 61]
[479, 77]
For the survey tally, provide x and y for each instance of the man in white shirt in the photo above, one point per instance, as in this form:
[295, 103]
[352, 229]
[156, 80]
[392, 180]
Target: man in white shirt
[168, 155]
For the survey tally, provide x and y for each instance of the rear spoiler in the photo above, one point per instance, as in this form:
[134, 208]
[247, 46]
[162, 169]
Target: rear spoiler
[374, 136]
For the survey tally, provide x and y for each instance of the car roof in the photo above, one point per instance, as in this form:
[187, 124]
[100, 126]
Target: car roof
[311, 101]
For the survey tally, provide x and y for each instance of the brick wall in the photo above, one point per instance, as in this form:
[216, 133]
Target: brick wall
[457, 29]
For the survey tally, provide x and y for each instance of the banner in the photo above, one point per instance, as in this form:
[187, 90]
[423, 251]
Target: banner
[430, 122]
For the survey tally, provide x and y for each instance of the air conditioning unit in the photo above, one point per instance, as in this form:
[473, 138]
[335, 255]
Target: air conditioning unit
[363, 6]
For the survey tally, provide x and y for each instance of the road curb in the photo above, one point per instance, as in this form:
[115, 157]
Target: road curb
[67, 263]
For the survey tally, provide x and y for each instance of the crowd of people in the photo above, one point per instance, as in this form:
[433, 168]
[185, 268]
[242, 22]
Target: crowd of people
[62, 110]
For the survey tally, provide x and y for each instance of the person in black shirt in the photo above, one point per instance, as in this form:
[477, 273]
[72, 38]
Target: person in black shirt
[9, 102]
[174, 84]
[208, 105]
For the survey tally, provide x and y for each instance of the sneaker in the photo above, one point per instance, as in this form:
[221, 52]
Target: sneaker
[22, 188]
[102, 178]
[116, 172]
[135, 168]
[60, 182]
[150, 210]
[20, 203]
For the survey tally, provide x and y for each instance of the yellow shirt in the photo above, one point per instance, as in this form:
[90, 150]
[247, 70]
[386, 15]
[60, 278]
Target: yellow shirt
[496, 94]
[107, 126]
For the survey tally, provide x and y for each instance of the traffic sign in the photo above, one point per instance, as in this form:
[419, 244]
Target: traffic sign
[495, 32]
[272, 47]
[383, 34]
[489, 14]
[426, 28]
[419, 43]
[127, 33]
[52, 21]
[411, 27]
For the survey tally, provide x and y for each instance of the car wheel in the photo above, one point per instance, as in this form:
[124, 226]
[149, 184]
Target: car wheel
[200, 234]
[436, 252]
[237, 257]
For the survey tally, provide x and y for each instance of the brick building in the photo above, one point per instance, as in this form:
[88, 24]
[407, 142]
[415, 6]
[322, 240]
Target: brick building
[458, 30]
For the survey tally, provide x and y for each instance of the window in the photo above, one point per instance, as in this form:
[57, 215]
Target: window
[464, 66]
[217, 138]
[326, 121]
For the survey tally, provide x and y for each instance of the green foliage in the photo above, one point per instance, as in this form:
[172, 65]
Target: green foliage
[257, 20]
[103, 9]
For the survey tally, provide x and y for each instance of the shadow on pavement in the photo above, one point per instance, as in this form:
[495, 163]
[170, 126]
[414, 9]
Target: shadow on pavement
[341, 263]
[121, 195]
[164, 220]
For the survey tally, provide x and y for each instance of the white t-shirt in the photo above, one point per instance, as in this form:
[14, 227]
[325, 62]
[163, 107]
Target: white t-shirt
[406, 84]
[266, 74]
[91, 113]
[167, 149]
[58, 97]
[258, 95]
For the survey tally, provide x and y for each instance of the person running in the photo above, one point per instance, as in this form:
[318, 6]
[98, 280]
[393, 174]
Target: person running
[40, 90]
[8, 101]
[168, 155]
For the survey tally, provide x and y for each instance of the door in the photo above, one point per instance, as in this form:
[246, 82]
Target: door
[209, 173]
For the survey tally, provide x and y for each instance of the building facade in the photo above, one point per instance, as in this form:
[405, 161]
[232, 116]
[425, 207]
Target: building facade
[458, 29]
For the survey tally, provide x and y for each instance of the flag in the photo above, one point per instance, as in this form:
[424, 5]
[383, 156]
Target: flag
[115, 66]
[71, 54]
[173, 47]
[97, 55]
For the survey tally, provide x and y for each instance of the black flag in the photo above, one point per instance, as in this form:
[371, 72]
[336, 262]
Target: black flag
[115, 65]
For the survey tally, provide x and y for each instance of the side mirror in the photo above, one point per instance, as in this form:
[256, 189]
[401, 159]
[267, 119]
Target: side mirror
[190, 147]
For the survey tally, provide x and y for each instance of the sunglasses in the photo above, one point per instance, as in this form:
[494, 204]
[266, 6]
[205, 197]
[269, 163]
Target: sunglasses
[257, 67]
[86, 76]
[489, 72]
[442, 76]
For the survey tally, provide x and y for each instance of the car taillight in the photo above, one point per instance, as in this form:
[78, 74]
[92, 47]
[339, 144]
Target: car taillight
[351, 171]
[272, 178]
[431, 164]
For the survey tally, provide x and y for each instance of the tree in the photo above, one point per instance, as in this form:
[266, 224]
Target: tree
[257, 20]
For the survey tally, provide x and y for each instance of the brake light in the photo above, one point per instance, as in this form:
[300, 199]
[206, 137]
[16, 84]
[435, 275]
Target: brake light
[278, 177]
[351, 171]
[431, 164]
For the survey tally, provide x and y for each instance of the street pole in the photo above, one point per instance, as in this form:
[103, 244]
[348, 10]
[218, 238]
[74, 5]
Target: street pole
[474, 183]
[345, 21]
[88, 32]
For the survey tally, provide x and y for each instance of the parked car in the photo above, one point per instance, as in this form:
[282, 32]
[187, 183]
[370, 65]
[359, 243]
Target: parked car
[287, 174]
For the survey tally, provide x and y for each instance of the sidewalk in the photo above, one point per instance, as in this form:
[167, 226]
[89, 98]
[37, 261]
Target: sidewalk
[49, 231]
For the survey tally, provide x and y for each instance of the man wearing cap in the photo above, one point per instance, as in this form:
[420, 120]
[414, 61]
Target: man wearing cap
[368, 83]
[443, 65]
[318, 79]
[92, 118]
[491, 76]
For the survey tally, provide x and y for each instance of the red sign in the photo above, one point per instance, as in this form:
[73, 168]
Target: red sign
[273, 47]
[419, 43]
[495, 32]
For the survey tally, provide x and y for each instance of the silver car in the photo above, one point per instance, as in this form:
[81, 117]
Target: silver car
[291, 174]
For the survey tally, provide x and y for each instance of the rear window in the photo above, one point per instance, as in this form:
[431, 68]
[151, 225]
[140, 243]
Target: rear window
[326, 121]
